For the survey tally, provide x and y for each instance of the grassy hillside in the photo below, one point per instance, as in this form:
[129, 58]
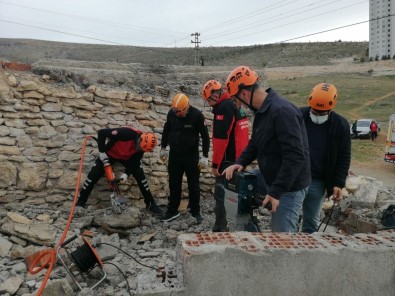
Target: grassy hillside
[271, 55]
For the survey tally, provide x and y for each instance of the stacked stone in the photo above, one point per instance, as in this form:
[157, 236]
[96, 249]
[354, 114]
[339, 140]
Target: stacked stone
[43, 125]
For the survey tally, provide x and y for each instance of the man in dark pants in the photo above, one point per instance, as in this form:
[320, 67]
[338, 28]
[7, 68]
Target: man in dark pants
[181, 132]
[127, 146]
[330, 152]
[279, 143]
[229, 138]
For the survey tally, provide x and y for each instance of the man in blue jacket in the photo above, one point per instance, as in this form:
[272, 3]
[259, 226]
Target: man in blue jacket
[330, 152]
[279, 143]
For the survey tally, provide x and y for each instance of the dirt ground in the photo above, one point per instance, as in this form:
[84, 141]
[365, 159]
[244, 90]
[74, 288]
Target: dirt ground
[379, 170]
[347, 65]
[375, 166]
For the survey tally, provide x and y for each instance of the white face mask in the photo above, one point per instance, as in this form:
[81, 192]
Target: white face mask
[318, 119]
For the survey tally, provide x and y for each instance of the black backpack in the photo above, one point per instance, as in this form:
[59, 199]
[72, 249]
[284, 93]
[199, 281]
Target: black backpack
[388, 217]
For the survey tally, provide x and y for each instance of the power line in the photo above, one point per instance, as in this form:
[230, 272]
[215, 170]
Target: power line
[333, 29]
[85, 31]
[100, 21]
[96, 39]
[291, 23]
[117, 43]
[255, 13]
[61, 32]
[234, 20]
[250, 14]
[277, 18]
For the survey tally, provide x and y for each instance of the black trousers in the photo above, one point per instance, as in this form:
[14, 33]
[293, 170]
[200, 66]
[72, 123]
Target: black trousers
[133, 167]
[178, 165]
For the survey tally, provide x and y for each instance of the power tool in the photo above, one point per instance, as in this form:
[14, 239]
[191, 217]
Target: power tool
[241, 199]
[117, 200]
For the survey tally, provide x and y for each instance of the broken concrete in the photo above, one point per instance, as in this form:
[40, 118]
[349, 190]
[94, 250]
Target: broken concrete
[287, 264]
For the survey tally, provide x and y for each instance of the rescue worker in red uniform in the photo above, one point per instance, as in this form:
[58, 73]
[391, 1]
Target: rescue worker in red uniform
[127, 146]
[229, 138]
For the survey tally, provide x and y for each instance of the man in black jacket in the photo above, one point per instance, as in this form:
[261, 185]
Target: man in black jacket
[330, 152]
[279, 143]
[181, 132]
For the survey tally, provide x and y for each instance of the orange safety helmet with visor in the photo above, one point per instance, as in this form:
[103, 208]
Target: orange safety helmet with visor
[209, 87]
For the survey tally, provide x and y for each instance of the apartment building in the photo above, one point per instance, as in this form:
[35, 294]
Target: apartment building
[381, 29]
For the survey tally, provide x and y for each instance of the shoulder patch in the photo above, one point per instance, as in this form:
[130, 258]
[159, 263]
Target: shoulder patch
[114, 132]
[219, 117]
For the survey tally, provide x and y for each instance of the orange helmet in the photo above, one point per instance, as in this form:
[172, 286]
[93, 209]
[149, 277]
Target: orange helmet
[323, 97]
[147, 141]
[239, 77]
[209, 87]
[180, 104]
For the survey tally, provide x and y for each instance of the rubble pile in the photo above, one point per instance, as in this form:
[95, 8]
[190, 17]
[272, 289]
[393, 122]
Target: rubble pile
[362, 208]
[27, 229]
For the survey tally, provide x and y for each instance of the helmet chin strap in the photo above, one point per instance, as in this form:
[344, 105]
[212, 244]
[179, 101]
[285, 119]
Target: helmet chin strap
[252, 97]
[250, 106]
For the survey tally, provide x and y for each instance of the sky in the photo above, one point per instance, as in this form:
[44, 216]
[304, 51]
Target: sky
[170, 23]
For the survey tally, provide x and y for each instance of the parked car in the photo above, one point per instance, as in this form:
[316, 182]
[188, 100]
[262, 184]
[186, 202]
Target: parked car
[361, 128]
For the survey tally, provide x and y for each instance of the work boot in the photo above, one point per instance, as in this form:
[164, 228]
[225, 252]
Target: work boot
[154, 209]
[198, 217]
[81, 202]
[170, 216]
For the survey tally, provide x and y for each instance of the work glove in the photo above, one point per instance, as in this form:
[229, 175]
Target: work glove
[164, 155]
[203, 162]
[123, 178]
[103, 157]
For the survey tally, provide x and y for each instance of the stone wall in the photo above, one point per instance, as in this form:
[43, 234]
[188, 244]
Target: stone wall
[42, 128]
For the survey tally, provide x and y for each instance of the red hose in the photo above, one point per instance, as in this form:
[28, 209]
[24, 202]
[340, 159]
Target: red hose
[50, 254]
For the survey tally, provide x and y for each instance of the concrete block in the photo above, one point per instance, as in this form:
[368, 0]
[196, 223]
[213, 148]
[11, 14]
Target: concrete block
[242, 263]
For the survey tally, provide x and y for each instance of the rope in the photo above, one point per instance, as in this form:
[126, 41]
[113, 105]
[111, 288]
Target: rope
[51, 253]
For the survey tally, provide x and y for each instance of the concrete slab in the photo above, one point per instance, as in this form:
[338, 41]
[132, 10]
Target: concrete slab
[243, 263]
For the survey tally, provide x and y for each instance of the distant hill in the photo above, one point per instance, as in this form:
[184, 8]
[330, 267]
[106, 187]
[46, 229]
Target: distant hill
[271, 55]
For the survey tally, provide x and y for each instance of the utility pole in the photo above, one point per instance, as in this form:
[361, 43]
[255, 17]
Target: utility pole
[196, 41]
